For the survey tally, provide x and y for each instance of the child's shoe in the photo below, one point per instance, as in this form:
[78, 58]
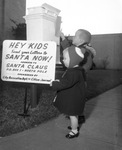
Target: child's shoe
[72, 135]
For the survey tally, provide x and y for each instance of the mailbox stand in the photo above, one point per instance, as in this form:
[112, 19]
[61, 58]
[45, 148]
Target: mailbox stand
[43, 24]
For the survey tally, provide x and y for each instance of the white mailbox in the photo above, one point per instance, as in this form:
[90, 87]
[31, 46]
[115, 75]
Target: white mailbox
[43, 23]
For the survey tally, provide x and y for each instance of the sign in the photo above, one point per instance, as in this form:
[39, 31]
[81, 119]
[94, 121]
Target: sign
[28, 61]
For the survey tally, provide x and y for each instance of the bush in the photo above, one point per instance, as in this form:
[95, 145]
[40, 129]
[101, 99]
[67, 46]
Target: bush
[19, 31]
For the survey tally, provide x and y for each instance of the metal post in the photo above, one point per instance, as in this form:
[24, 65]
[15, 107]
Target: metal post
[33, 101]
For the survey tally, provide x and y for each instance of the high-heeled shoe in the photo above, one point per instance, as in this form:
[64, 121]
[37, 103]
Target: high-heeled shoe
[69, 127]
[70, 136]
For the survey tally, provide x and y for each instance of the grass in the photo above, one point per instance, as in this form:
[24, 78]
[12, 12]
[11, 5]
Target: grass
[12, 98]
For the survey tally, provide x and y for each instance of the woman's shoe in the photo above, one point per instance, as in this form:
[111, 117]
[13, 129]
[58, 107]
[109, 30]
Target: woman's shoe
[69, 127]
[69, 136]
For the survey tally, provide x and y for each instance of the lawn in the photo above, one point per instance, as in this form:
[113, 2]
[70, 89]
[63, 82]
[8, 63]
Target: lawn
[12, 99]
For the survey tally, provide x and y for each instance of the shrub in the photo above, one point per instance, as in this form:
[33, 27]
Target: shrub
[19, 31]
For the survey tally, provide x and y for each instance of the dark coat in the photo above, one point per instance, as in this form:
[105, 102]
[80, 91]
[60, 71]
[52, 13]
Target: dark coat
[70, 98]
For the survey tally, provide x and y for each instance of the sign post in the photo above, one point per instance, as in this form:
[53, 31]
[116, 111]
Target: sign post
[29, 62]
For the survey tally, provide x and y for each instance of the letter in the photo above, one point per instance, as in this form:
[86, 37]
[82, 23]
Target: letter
[21, 66]
[7, 56]
[28, 66]
[27, 57]
[16, 56]
[39, 46]
[45, 67]
[35, 58]
[12, 57]
[22, 56]
[45, 46]
[22, 44]
[44, 53]
[17, 45]
[35, 45]
[31, 45]
[12, 45]
[16, 65]
[44, 58]
[7, 65]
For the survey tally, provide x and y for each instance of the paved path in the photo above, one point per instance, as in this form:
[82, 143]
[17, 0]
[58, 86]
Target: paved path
[102, 130]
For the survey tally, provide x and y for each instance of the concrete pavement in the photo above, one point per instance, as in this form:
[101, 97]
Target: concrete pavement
[102, 129]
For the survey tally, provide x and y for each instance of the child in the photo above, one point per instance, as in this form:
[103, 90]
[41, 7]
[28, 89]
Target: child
[70, 98]
[82, 40]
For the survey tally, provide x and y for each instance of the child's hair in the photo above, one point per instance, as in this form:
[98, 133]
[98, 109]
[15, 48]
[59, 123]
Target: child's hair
[85, 35]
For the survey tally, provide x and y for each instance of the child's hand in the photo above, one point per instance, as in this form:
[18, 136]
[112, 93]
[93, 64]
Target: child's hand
[50, 83]
[62, 35]
[54, 81]
[91, 49]
[57, 80]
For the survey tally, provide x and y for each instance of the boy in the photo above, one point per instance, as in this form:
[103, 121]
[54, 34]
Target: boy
[82, 40]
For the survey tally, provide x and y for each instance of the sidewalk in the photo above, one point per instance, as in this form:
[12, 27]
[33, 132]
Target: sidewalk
[102, 130]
